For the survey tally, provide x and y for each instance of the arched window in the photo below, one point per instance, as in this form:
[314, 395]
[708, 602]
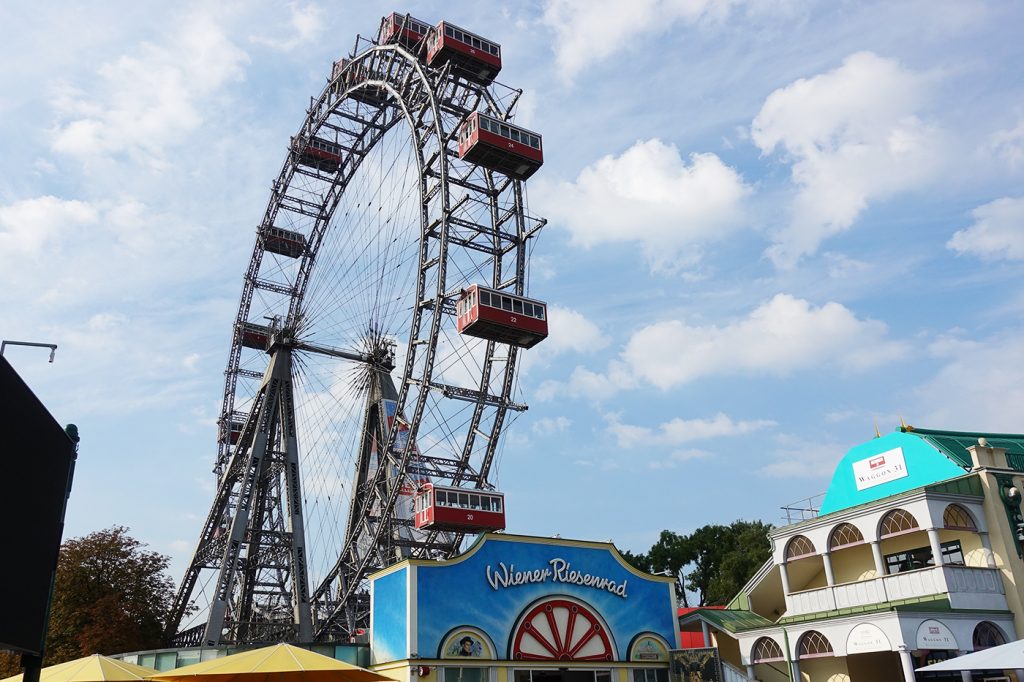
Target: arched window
[844, 535]
[798, 548]
[813, 645]
[896, 522]
[957, 518]
[987, 635]
[766, 650]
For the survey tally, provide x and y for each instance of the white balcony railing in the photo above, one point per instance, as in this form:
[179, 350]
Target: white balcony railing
[968, 587]
[731, 673]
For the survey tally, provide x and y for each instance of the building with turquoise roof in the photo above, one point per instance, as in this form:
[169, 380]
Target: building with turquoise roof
[914, 556]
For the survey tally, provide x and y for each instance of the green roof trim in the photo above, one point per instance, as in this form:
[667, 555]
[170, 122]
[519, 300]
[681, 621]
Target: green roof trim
[731, 620]
[954, 444]
[965, 485]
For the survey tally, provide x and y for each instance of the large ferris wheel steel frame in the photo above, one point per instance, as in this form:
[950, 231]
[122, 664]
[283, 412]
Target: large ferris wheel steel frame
[253, 537]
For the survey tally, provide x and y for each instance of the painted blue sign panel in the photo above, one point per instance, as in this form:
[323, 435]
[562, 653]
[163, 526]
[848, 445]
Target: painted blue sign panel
[389, 612]
[536, 599]
[892, 464]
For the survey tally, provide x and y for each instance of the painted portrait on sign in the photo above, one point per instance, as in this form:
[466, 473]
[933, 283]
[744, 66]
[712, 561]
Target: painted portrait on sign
[649, 648]
[466, 643]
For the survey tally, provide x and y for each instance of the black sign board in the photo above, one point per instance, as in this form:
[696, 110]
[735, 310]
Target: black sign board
[36, 458]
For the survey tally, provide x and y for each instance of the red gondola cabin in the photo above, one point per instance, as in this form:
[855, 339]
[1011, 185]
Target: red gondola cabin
[346, 76]
[500, 146]
[475, 58]
[497, 316]
[284, 242]
[458, 509]
[255, 336]
[401, 29]
[317, 153]
[235, 431]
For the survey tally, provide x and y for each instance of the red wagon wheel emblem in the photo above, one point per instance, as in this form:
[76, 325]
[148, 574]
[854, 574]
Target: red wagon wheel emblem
[561, 630]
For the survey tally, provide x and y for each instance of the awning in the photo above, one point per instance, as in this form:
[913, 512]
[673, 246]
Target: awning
[279, 663]
[95, 668]
[1003, 657]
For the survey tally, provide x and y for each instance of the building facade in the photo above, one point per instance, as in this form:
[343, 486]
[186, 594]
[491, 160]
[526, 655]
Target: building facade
[523, 609]
[915, 556]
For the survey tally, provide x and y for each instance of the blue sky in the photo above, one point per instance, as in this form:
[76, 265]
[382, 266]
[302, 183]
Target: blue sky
[773, 224]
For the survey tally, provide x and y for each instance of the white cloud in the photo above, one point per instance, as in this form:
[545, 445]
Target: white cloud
[149, 98]
[650, 195]
[678, 431]
[677, 457]
[584, 383]
[1009, 145]
[570, 330]
[550, 425]
[28, 226]
[588, 31]
[853, 135]
[841, 266]
[980, 386]
[997, 232]
[803, 457]
[60, 251]
[779, 337]
[306, 23]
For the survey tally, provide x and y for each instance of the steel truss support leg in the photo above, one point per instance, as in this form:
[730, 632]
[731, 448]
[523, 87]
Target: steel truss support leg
[261, 527]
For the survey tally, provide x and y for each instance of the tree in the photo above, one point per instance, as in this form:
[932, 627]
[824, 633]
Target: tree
[710, 544]
[110, 596]
[10, 664]
[750, 549]
[671, 554]
[714, 561]
[726, 558]
[638, 561]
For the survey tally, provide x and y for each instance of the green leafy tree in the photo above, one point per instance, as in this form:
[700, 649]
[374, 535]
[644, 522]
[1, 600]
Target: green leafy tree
[710, 544]
[110, 596]
[750, 548]
[714, 562]
[671, 554]
[726, 558]
[637, 561]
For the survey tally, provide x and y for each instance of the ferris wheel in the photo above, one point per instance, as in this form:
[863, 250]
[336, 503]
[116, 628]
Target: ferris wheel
[375, 346]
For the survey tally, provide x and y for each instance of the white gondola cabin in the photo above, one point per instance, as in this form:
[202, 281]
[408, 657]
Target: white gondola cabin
[317, 153]
[475, 58]
[346, 75]
[500, 146]
[283, 242]
[498, 316]
[401, 29]
[458, 509]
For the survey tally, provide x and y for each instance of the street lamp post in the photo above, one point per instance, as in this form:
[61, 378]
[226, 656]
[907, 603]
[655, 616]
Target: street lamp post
[51, 346]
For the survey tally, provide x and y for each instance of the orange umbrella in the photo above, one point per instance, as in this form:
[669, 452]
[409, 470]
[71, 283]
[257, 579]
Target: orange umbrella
[95, 668]
[278, 663]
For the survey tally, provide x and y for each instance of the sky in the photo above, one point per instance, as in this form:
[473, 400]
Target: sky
[773, 226]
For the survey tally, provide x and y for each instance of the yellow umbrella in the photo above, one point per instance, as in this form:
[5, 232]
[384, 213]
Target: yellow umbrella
[278, 663]
[95, 668]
